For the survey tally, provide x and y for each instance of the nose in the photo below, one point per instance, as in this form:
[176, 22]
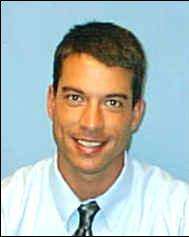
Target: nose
[92, 118]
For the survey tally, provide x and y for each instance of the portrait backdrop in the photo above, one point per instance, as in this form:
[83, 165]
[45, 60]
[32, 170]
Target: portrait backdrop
[30, 33]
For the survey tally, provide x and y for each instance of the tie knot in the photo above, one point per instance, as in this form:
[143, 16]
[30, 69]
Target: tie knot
[91, 207]
[87, 212]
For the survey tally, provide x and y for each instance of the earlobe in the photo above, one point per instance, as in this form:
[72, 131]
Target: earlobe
[50, 102]
[138, 112]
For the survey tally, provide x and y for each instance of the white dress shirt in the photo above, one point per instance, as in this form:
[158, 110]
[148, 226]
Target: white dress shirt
[144, 200]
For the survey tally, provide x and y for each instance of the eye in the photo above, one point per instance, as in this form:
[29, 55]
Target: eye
[74, 99]
[113, 103]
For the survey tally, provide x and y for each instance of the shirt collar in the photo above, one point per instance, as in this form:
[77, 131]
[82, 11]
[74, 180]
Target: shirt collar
[65, 199]
[67, 202]
[117, 194]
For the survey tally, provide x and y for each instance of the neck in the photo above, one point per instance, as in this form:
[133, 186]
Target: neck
[90, 185]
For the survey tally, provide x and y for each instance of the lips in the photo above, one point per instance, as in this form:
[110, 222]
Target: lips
[89, 146]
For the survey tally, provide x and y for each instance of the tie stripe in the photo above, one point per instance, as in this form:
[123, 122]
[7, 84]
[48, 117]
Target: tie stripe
[87, 213]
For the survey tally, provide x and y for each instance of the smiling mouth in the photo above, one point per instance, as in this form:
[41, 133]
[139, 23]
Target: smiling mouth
[89, 146]
[87, 143]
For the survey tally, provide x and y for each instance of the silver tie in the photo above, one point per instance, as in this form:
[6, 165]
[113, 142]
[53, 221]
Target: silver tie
[87, 213]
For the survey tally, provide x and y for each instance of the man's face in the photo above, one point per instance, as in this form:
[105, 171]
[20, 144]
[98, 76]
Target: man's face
[92, 114]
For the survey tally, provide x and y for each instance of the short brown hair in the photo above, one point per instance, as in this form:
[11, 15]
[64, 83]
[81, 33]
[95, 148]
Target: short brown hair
[109, 43]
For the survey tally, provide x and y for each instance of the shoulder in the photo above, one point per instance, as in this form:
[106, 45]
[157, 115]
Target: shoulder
[26, 172]
[159, 179]
[22, 179]
[159, 186]
[17, 189]
[164, 196]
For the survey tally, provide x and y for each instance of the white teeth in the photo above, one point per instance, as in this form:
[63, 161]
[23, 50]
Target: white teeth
[89, 144]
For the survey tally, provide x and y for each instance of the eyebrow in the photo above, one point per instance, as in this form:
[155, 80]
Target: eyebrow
[124, 96]
[68, 88]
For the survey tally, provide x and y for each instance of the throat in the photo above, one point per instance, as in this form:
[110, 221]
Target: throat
[88, 186]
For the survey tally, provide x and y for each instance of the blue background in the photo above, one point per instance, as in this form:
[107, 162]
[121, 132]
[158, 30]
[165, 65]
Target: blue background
[30, 33]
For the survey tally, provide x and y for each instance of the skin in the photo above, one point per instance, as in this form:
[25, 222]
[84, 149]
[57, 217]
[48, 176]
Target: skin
[94, 103]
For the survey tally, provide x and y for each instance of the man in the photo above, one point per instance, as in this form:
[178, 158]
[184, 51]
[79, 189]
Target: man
[92, 187]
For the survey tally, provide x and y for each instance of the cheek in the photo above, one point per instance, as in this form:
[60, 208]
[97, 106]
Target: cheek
[118, 122]
[66, 117]
[60, 121]
[120, 128]
[65, 120]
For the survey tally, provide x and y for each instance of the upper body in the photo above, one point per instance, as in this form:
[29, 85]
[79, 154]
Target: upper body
[95, 104]
[144, 200]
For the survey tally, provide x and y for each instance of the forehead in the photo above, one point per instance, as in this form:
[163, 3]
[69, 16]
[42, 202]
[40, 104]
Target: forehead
[87, 73]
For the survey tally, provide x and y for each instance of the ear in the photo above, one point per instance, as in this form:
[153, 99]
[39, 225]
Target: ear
[138, 112]
[50, 102]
